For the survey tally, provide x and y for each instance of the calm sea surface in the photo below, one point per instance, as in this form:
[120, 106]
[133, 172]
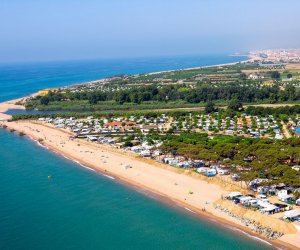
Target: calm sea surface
[17, 80]
[81, 209]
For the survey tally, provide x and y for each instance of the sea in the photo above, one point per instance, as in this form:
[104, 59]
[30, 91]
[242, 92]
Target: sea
[48, 201]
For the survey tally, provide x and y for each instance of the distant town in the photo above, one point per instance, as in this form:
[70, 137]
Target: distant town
[277, 55]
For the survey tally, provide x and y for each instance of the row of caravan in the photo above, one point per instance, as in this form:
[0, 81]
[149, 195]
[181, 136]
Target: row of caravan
[212, 171]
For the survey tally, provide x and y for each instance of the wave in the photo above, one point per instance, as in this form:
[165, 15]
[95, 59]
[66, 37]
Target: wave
[250, 236]
[189, 210]
[66, 157]
[108, 176]
[40, 144]
[84, 166]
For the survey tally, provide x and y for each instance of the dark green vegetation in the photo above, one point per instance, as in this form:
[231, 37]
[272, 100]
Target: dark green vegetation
[253, 158]
[84, 105]
[276, 111]
[154, 114]
[161, 96]
[182, 88]
[209, 108]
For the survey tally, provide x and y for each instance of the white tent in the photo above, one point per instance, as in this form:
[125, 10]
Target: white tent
[146, 153]
[245, 199]
[292, 214]
[202, 170]
[269, 208]
[263, 203]
[234, 194]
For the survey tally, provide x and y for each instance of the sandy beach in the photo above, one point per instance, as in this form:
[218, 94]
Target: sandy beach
[160, 179]
[165, 181]
[4, 106]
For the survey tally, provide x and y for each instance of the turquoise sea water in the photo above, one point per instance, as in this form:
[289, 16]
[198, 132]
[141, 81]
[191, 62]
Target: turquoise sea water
[81, 209]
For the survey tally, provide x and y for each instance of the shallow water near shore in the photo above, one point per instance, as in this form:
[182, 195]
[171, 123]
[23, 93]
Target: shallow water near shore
[81, 209]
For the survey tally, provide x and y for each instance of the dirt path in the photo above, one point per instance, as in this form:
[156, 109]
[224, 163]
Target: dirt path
[285, 130]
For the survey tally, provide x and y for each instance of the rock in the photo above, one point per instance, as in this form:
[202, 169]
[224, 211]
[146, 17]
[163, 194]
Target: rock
[266, 231]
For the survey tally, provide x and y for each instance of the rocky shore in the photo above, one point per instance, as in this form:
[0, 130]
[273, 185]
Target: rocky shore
[252, 224]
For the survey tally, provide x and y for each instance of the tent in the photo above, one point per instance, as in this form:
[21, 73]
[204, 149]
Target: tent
[245, 199]
[270, 208]
[292, 214]
[234, 194]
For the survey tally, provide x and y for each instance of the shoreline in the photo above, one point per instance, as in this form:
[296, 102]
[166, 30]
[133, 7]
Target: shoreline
[5, 106]
[216, 217]
[222, 223]
[250, 59]
[10, 104]
[222, 219]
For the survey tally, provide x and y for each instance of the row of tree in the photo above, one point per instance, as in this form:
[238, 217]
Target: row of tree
[264, 111]
[255, 158]
[201, 93]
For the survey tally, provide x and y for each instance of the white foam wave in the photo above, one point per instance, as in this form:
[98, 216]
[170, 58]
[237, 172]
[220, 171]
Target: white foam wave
[108, 176]
[87, 167]
[66, 157]
[40, 144]
[84, 166]
[251, 236]
[189, 210]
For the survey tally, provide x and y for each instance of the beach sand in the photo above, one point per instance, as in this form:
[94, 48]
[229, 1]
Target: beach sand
[4, 106]
[158, 178]
[168, 183]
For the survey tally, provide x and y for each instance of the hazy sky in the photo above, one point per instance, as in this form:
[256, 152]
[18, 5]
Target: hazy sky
[71, 29]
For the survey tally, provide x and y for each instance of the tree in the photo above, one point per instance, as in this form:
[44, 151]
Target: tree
[135, 98]
[290, 92]
[210, 107]
[284, 117]
[289, 76]
[235, 105]
[121, 97]
[243, 76]
[128, 143]
[44, 100]
[248, 177]
[93, 98]
[275, 75]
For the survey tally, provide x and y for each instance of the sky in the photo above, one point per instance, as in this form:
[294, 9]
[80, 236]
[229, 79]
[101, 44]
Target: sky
[93, 29]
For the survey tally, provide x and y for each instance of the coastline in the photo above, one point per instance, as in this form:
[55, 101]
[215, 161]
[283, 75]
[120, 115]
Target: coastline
[11, 104]
[4, 106]
[250, 59]
[140, 176]
[34, 130]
